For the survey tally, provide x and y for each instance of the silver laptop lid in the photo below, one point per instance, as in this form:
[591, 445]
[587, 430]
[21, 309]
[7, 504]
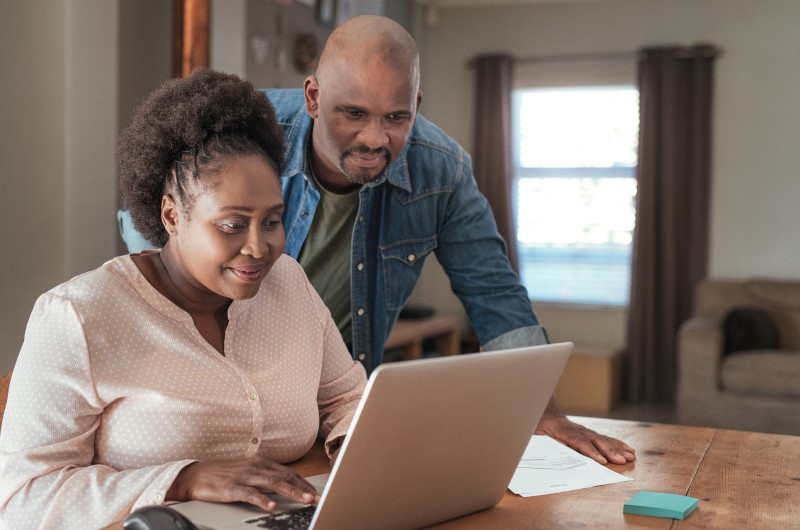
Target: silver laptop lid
[438, 438]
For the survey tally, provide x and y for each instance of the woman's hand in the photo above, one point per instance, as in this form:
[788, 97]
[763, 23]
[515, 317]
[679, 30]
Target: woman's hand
[247, 480]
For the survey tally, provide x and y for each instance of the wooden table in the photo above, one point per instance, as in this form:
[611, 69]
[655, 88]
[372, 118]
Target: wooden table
[744, 481]
[408, 335]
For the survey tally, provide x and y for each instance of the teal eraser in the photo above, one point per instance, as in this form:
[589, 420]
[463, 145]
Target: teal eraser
[660, 505]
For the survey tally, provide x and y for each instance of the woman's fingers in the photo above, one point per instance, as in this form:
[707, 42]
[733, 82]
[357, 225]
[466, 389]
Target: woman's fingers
[243, 481]
[285, 481]
[248, 494]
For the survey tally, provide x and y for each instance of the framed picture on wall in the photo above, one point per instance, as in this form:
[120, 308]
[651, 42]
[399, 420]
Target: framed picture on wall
[326, 12]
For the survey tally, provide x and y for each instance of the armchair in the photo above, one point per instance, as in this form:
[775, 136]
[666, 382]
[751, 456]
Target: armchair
[756, 390]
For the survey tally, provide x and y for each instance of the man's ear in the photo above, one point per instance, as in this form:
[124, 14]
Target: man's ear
[169, 214]
[419, 103]
[311, 93]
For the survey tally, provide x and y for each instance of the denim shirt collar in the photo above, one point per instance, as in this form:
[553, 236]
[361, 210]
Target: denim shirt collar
[396, 174]
[296, 155]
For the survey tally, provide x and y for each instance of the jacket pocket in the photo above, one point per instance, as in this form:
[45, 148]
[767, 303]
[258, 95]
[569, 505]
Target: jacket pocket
[402, 264]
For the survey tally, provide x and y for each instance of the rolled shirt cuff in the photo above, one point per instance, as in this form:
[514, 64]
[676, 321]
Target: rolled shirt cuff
[517, 338]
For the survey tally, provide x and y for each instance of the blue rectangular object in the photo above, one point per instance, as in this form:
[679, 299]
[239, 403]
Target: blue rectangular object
[661, 505]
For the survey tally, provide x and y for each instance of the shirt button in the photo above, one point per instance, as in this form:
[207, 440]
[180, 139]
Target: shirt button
[253, 396]
[360, 266]
[304, 214]
[362, 356]
[360, 218]
[411, 257]
[360, 311]
[254, 440]
[156, 498]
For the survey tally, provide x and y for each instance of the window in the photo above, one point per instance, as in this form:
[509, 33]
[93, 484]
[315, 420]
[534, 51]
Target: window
[575, 160]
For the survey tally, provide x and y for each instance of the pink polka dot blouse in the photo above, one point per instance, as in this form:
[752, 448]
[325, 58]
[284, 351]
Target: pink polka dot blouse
[115, 391]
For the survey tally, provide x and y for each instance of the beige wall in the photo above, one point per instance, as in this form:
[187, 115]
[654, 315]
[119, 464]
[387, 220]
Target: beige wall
[60, 112]
[754, 212]
[228, 43]
[32, 161]
[90, 119]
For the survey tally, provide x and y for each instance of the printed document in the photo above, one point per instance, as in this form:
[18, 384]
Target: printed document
[551, 467]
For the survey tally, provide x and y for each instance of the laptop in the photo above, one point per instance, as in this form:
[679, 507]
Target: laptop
[431, 440]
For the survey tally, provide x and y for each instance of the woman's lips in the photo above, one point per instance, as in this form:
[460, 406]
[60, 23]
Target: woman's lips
[249, 273]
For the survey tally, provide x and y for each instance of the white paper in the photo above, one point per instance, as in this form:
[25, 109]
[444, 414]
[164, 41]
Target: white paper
[548, 466]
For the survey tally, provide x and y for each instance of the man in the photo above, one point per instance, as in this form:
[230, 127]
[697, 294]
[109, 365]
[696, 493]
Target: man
[371, 189]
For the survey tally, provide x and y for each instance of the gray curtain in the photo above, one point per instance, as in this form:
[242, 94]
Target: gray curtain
[492, 163]
[671, 235]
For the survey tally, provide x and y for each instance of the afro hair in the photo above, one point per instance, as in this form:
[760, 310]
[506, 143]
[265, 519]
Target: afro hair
[182, 128]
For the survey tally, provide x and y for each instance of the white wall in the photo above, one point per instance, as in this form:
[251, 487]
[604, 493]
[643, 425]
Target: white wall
[756, 124]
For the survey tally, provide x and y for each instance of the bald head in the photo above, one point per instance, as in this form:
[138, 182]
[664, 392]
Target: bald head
[362, 41]
[363, 100]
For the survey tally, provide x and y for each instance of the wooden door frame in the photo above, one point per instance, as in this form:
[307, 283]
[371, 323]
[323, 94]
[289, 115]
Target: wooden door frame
[190, 36]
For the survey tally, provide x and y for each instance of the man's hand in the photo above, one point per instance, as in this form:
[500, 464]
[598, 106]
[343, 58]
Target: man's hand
[247, 480]
[603, 449]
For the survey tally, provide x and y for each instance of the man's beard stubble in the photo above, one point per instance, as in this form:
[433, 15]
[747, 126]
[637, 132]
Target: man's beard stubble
[363, 177]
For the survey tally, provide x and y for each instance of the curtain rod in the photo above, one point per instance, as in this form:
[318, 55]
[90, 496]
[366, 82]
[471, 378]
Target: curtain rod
[568, 57]
[577, 57]
[706, 50]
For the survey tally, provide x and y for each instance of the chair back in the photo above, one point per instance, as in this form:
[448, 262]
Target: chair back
[5, 381]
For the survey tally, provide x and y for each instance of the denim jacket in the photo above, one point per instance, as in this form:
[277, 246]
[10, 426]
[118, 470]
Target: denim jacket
[426, 201]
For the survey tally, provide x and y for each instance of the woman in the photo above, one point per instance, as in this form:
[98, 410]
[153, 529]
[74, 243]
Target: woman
[190, 372]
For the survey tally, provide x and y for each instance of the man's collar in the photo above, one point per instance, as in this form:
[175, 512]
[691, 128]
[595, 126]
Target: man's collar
[397, 172]
[298, 136]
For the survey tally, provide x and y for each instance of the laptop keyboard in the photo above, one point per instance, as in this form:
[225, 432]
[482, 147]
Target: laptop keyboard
[299, 518]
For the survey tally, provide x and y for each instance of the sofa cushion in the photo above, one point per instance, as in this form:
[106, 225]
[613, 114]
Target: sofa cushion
[747, 329]
[768, 373]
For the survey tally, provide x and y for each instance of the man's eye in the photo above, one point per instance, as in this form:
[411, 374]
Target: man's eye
[356, 113]
[396, 117]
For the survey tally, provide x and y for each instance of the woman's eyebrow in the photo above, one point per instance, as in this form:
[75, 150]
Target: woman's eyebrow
[249, 209]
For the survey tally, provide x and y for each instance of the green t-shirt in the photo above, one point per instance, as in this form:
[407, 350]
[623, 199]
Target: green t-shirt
[325, 255]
